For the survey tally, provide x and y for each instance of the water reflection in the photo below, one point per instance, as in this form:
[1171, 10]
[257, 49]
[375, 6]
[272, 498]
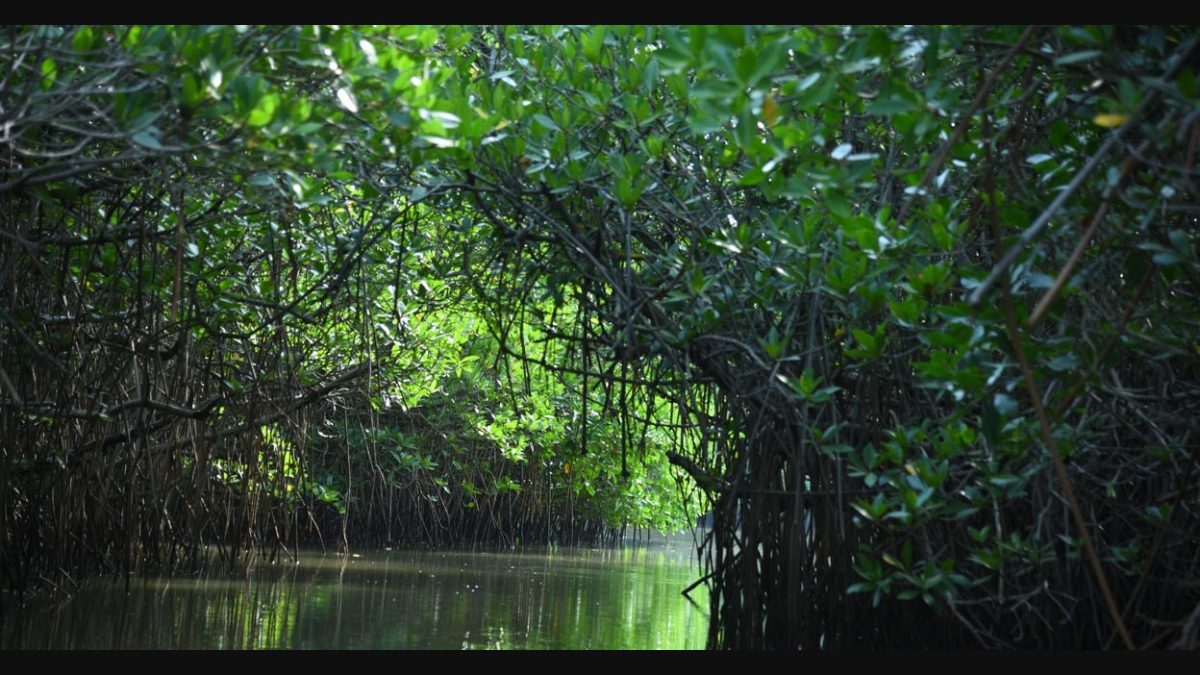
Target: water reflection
[542, 599]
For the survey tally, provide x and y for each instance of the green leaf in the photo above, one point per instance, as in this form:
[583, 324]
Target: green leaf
[192, 93]
[546, 122]
[1077, 57]
[710, 89]
[1186, 83]
[808, 382]
[307, 128]
[347, 100]
[1067, 361]
[246, 92]
[859, 65]
[907, 311]
[890, 106]
[264, 111]
[300, 110]
[1179, 240]
[84, 39]
[440, 141]
[1165, 258]
[49, 73]
[812, 97]
[837, 204]
[733, 34]
[774, 344]
[745, 66]
[752, 177]
[593, 44]
[1005, 404]
[148, 139]
[769, 60]
[864, 338]
[1128, 93]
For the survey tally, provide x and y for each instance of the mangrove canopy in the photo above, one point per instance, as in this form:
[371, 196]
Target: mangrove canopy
[912, 310]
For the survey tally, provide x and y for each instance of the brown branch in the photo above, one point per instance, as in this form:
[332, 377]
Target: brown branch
[199, 412]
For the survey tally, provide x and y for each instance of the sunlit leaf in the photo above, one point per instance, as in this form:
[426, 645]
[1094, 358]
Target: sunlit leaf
[347, 100]
[1109, 120]
[770, 111]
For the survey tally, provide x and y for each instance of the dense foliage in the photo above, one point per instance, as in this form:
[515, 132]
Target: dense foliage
[914, 308]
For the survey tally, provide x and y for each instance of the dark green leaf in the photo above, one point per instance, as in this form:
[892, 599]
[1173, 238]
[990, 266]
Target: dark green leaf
[890, 106]
[1165, 258]
[1005, 404]
[1067, 361]
[1186, 83]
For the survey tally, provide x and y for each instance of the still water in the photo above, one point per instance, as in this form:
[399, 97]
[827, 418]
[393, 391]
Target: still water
[561, 598]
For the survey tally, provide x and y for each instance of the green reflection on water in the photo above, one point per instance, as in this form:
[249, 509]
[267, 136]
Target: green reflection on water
[562, 598]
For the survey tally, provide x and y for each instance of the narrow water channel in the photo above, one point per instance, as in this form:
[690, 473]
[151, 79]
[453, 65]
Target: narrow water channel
[530, 598]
